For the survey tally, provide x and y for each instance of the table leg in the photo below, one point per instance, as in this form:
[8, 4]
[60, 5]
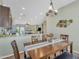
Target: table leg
[71, 47]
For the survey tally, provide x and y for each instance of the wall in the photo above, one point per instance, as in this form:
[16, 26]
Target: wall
[68, 12]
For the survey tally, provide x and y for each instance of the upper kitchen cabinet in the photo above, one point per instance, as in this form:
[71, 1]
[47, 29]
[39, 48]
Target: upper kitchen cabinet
[5, 17]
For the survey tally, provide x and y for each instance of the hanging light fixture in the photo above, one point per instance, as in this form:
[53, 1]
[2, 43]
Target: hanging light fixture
[52, 11]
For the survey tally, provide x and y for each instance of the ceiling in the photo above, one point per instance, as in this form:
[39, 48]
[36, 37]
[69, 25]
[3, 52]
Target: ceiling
[32, 11]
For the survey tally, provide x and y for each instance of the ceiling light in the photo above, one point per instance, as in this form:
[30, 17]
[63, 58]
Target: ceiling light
[23, 8]
[21, 14]
[35, 17]
[41, 13]
[20, 18]
[52, 11]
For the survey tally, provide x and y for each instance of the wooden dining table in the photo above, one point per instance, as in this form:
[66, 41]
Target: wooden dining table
[50, 49]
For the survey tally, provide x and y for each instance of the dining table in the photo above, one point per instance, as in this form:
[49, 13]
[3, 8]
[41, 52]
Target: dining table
[42, 50]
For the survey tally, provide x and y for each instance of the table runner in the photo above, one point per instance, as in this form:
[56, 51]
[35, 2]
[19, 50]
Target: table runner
[42, 44]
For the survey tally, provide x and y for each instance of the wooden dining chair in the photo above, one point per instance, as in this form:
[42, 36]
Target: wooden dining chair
[46, 37]
[25, 54]
[65, 37]
[50, 35]
[34, 41]
[16, 51]
[27, 43]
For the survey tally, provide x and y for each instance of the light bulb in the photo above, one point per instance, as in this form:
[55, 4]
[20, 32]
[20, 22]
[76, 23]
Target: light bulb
[50, 7]
[56, 11]
[23, 8]
[21, 14]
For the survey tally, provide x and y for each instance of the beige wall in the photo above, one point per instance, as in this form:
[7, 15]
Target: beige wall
[68, 12]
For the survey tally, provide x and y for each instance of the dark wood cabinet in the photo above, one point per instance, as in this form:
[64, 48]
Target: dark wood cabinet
[5, 17]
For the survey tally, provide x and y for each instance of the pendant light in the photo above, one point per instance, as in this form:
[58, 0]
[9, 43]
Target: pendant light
[52, 11]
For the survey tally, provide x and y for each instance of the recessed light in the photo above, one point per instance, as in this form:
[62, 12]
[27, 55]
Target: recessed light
[23, 8]
[21, 14]
[20, 18]
[56, 10]
[41, 13]
[35, 17]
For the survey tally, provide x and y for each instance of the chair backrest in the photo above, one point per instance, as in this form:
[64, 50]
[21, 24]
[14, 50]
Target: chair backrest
[34, 41]
[50, 35]
[64, 36]
[15, 49]
[46, 37]
[27, 43]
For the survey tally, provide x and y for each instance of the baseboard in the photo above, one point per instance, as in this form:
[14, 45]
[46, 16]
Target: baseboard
[9, 55]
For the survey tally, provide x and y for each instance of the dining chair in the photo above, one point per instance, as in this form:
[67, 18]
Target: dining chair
[25, 54]
[50, 35]
[27, 43]
[65, 37]
[34, 39]
[46, 37]
[16, 51]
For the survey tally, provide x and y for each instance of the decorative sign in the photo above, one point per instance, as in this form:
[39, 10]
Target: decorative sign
[64, 23]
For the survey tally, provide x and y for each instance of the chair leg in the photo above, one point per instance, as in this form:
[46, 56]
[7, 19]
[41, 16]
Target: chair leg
[55, 55]
[62, 51]
[65, 50]
[49, 57]
[44, 58]
[25, 55]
